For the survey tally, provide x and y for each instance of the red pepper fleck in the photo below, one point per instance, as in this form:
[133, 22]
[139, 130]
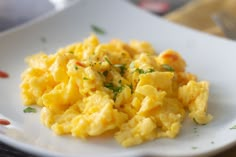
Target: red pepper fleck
[156, 6]
[4, 122]
[3, 74]
[80, 64]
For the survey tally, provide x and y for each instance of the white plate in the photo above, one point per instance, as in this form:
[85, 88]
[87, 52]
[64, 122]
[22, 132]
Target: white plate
[211, 58]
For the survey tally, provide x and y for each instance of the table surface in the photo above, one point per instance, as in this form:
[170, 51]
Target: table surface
[13, 14]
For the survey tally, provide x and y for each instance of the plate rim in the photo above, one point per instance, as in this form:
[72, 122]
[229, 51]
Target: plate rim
[50, 15]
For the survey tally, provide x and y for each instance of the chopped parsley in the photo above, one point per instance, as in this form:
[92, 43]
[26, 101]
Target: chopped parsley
[233, 127]
[141, 71]
[150, 70]
[43, 40]
[30, 110]
[122, 68]
[118, 89]
[98, 30]
[195, 120]
[85, 78]
[168, 67]
[76, 68]
[106, 59]
[114, 88]
[131, 87]
[109, 85]
[194, 148]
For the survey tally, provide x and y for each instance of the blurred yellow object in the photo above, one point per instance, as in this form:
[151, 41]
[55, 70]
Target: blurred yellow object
[89, 88]
[197, 14]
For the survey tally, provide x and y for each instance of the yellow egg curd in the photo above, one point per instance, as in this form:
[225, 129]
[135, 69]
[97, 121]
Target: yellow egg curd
[90, 88]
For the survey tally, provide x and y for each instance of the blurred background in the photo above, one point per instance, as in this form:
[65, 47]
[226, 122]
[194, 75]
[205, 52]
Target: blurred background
[196, 14]
[17, 12]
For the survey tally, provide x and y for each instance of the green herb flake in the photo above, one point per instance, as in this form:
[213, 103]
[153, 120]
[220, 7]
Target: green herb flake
[109, 85]
[122, 68]
[71, 52]
[30, 110]
[114, 89]
[195, 121]
[98, 30]
[85, 78]
[233, 127]
[194, 148]
[106, 59]
[76, 68]
[118, 89]
[131, 87]
[168, 67]
[105, 73]
[43, 40]
[150, 70]
[140, 71]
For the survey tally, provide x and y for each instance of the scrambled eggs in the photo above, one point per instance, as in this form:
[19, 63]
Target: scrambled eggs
[90, 88]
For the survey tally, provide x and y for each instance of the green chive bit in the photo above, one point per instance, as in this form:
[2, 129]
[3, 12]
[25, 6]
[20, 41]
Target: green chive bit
[150, 70]
[140, 71]
[233, 127]
[168, 67]
[30, 110]
[195, 121]
[109, 85]
[107, 60]
[122, 68]
[98, 30]
[115, 90]
[194, 148]
[85, 78]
